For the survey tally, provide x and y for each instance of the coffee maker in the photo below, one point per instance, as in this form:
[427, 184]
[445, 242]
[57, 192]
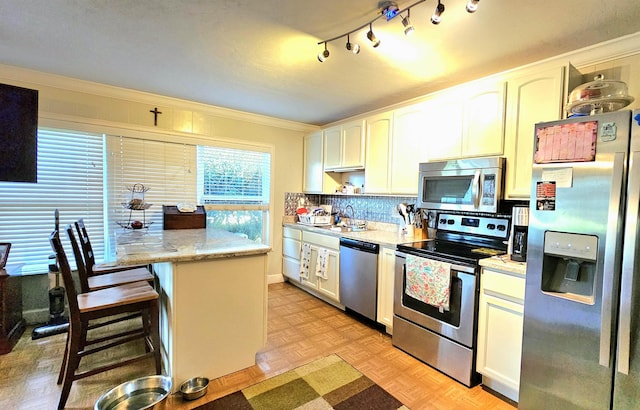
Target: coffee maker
[519, 229]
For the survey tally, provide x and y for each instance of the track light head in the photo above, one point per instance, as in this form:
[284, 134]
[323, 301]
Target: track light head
[406, 23]
[353, 47]
[472, 6]
[389, 9]
[437, 15]
[323, 55]
[372, 37]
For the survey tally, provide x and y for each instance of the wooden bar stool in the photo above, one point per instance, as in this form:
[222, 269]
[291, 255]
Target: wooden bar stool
[90, 283]
[84, 307]
[93, 268]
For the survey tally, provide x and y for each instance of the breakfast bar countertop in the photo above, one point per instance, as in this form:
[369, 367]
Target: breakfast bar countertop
[180, 245]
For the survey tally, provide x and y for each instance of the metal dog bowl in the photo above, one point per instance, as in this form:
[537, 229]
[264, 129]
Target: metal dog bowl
[194, 388]
[137, 394]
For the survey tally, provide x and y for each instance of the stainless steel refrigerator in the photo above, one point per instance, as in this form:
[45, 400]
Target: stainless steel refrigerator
[581, 347]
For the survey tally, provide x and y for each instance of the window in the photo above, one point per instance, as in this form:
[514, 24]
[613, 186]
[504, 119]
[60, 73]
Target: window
[234, 185]
[70, 179]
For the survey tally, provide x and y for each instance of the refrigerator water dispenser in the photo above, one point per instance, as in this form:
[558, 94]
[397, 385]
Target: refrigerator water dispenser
[569, 266]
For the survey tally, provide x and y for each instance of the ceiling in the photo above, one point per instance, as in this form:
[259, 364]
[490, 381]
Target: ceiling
[260, 56]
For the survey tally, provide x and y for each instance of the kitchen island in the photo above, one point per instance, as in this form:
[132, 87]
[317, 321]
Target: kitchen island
[213, 297]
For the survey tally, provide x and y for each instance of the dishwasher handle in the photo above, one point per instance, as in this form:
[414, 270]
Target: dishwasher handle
[360, 245]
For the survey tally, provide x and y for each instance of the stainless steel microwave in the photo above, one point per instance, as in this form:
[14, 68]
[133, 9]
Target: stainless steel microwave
[474, 184]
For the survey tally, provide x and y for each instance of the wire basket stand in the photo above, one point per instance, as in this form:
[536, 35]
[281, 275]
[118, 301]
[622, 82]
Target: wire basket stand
[136, 203]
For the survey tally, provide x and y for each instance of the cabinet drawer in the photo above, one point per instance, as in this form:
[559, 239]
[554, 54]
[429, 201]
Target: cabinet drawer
[322, 241]
[293, 233]
[503, 283]
[291, 248]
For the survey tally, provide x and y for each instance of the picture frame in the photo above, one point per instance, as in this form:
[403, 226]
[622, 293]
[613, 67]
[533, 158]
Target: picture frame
[4, 253]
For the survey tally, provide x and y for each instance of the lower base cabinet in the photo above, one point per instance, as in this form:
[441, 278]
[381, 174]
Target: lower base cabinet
[500, 323]
[386, 267]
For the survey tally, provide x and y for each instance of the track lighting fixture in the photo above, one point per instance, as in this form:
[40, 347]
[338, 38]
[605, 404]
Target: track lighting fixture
[406, 23]
[437, 15]
[353, 47]
[324, 54]
[389, 10]
[372, 37]
[472, 6]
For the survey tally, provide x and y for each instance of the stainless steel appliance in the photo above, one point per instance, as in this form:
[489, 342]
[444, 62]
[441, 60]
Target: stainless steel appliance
[446, 338]
[473, 185]
[581, 346]
[519, 232]
[359, 276]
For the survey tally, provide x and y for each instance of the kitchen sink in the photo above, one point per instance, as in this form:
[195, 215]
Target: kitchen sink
[350, 228]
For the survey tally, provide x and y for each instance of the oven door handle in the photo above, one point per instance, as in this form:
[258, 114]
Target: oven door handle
[458, 268]
[475, 189]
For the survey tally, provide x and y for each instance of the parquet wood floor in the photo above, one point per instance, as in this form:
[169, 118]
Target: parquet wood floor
[301, 328]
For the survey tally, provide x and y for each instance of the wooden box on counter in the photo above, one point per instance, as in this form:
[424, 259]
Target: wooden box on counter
[174, 219]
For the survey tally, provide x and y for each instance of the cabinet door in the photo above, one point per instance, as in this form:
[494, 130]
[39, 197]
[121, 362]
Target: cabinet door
[444, 127]
[377, 174]
[483, 123]
[531, 99]
[330, 286]
[386, 267]
[500, 343]
[313, 165]
[312, 280]
[409, 148]
[353, 145]
[332, 148]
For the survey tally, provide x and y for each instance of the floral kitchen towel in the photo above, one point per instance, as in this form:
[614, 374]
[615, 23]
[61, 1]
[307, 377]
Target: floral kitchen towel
[428, 281]
[305, 260]
[321, 263]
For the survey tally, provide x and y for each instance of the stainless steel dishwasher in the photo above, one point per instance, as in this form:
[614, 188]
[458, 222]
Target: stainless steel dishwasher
[359, 276]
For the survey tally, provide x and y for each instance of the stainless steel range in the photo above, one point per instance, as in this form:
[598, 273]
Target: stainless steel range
[437, 284]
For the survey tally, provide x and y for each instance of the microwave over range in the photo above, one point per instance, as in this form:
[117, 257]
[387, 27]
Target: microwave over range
[473, 185]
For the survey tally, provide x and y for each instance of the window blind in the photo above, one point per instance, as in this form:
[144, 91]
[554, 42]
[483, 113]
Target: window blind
[166, 169]
[70, 179]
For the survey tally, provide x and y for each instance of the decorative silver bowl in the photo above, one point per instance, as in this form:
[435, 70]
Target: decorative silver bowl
[194, 388]
[137, 394]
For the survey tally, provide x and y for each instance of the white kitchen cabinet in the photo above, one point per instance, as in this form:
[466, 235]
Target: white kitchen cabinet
[344, 147]
[313, 165]
[386, 271]
[500, 322]
[379, 133]
[409, 147]
[443, 130]
[531, 98]
[483, 119]
[291, 245]
[327, 287]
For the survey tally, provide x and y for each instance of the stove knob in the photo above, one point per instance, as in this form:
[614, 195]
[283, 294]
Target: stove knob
[442, 221]
[502, 227]
[451, 222]
[491, 226]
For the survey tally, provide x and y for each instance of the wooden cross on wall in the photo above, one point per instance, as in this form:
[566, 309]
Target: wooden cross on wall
[155, 113]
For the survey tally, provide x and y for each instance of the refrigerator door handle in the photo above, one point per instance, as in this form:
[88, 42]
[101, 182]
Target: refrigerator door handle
[606, 315]
[628, 262]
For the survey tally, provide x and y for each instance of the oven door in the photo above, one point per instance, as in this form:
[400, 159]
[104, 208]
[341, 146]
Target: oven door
[459, 322]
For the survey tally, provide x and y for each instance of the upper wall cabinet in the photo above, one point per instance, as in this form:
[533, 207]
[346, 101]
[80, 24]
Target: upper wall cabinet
[313, 167]
[532, 98]
[483, 120]
[409, 147]
[466, 121]
[344, 147]
[379, 136]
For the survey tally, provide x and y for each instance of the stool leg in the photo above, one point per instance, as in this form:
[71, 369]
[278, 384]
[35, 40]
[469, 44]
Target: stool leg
[155, 335]
[64, 359]
[73, 360]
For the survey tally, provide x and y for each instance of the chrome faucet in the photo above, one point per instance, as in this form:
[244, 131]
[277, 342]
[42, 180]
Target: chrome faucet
[351, 216]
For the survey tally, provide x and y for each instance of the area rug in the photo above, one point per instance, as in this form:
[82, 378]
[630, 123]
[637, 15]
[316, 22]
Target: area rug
[327, 383]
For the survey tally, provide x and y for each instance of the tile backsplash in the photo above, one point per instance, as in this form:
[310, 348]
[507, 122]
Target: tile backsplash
[368, 207]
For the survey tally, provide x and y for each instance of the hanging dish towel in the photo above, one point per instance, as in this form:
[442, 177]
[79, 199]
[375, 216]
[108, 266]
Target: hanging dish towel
[428, 281]
[321, 263]
[305, 260]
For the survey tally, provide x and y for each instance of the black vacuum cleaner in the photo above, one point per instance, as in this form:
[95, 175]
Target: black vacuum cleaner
[57, 323]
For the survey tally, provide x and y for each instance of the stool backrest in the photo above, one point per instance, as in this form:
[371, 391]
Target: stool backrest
[77, 253]
[65, 270]
[85, 244]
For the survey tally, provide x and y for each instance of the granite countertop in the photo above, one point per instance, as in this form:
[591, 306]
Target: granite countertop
[182, 245]
[505, 264]
[382, 237]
